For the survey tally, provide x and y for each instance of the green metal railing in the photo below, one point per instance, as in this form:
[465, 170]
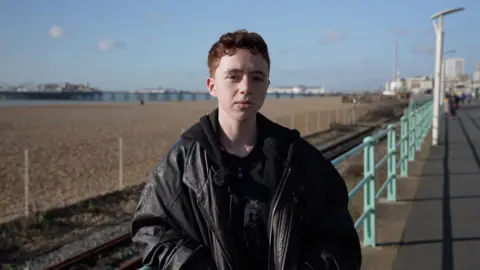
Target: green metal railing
[414, 127]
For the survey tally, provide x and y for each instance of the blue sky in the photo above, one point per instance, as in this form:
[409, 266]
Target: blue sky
[121, 44]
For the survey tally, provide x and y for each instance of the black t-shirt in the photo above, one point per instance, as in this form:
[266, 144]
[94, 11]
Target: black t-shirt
[250, 214]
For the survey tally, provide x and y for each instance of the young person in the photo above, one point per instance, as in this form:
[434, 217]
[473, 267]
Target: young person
[239, 191]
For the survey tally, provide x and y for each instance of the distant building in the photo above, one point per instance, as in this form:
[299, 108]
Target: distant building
[394, 86]
[476, 81]
[419, 84]
[454, 67]
[55, 87]
[297, 89]
[279, 90]
[476, 75]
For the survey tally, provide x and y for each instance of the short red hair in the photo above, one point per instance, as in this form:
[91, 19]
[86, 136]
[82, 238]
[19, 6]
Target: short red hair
[229, 43]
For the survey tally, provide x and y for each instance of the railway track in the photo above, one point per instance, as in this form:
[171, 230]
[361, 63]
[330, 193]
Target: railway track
[90, 258]
[102, 253]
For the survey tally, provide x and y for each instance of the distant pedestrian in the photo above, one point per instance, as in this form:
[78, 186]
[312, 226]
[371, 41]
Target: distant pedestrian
[453, 105]
[446, 104]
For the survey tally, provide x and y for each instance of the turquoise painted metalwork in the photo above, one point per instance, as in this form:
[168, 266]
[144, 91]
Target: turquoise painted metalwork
[413, 127]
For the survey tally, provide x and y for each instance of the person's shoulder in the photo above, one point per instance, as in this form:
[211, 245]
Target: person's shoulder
[280, 133]
[182, 144]
[166, 176]
[178, 152]
[307, 150]
[310, 158]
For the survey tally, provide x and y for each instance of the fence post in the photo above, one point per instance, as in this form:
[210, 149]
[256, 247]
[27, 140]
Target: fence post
[430, 111]
[419, 130]
[392, 164]
[404, 147]
[421, 127]
[329, 121]
[354, 112]
[306, 123]
[429, 119]
[318, 121]
[26, 183]
[369, 233]
[411, 136]
[425, 122]
[120, 162]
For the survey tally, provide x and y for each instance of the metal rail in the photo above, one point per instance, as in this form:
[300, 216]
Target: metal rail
[331, 152]
[90, 257]
[413, 127]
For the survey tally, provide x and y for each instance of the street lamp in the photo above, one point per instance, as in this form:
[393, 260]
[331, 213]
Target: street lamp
[438, 67]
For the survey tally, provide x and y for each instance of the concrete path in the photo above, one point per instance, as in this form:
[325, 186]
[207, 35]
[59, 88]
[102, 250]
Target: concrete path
[443, 229]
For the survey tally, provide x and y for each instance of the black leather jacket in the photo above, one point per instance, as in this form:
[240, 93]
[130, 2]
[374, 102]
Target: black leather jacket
[181, 216]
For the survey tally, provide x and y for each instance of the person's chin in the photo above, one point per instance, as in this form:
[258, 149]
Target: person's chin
[245, 115]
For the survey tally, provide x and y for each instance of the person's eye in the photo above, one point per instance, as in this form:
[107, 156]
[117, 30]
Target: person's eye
[233, 77]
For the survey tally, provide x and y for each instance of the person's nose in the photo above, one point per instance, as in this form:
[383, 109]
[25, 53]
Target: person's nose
[245, 85]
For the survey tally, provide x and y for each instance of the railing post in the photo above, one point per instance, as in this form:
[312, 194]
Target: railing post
[419, 129]
[392, 164]
[404, 147]
[429, 119]
[425, 125]
[369, 228]
[411, 137]
[425, 122]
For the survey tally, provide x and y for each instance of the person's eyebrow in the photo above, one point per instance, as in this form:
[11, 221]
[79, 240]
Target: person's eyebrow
[236, 70]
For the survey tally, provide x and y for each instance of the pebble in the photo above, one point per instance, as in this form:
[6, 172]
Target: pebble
[79, 246]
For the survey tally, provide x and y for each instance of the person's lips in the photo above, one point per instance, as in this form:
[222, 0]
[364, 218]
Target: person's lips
[244, 103]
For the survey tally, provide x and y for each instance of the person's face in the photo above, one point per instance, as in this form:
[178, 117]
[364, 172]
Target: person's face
[240, 84]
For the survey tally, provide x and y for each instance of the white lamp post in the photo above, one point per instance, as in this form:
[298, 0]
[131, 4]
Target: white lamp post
[438, 68]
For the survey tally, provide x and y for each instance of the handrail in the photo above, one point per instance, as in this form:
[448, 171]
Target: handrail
[414, 127]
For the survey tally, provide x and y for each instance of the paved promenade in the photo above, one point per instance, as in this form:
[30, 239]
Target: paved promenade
[443, 229]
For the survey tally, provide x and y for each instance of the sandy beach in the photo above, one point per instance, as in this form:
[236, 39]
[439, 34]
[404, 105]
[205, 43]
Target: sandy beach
[73, 151]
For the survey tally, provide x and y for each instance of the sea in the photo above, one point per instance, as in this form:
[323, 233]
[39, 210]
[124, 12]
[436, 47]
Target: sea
[130, 98]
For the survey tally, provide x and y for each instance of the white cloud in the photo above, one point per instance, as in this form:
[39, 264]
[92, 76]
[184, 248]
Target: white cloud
[427, 32]
[154, 17]
[108, 44]
[56, 31]
[398, 31]
[423, 49]
[332, 36]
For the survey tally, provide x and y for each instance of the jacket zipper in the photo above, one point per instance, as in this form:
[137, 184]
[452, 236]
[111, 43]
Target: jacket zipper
[222, 246]
[276, 199]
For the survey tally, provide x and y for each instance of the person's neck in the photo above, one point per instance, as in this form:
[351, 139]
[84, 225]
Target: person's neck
[238, 138]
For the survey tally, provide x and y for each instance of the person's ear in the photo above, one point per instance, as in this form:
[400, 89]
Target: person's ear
[211, 86]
